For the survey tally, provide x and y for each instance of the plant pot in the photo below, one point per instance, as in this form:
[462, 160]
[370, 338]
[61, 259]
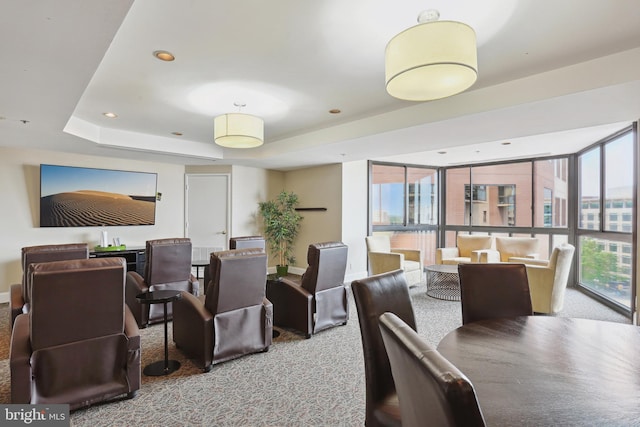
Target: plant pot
[282, 270]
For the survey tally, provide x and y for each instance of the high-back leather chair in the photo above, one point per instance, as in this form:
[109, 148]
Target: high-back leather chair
[20, 292]
[233, 318]
[246, 242]
[320, 300]
[431, 390]
[79, 344]
[387, 292]
[489, 291]
[168, 266]
[243, 242]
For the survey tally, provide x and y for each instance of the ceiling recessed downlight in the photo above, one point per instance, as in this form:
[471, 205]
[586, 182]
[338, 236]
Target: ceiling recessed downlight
[110, 115]
[163, 55]
[335, 111]
[176, 133]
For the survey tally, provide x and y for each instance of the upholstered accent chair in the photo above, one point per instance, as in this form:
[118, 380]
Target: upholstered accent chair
[384, 258]
[320, 301]
[469, 248]
[233, 318]
[431, 390]
[79, 343]
[168, 266]
[374, 295]
[548, 279]
[489, 291]
[517, 249]
[19, 294]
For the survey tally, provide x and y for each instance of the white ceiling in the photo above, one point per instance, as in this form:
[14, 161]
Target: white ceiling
[554, 76]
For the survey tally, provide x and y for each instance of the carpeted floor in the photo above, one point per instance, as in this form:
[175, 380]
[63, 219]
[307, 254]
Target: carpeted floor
[298, 382]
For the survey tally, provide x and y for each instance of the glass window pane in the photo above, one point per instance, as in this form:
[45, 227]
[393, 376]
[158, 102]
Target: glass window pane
[589, 190]
[387, 195]
[604, 270]
[457, 183]
[618, 179]
[551, 193]
[500, 195]
[423, 196]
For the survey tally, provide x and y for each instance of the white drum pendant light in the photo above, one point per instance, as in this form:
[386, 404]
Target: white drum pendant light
[237, 130]
[431, 60]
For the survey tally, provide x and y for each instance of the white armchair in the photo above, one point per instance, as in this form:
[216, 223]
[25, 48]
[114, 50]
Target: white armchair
[384, 258]
[548, 279]
[470, 247]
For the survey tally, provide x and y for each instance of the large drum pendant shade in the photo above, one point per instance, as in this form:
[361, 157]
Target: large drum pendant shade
[237, 130]
[431, 60]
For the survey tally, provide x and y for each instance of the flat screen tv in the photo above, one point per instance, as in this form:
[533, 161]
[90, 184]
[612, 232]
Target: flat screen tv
[84, 197]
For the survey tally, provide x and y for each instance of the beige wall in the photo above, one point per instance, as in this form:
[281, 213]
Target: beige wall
[317, 187]
[20, 188]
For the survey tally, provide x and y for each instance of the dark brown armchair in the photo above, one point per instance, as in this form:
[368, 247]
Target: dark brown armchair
[233, 318]
[489, 291]
[19, 293]
[431, 390]
[386, 292]
[320, 300]
[168, 266]
[244, 242]
[79, 344]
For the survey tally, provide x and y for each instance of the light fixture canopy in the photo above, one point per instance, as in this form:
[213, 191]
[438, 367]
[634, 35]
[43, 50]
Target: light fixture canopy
[431, 60]
[238, 130]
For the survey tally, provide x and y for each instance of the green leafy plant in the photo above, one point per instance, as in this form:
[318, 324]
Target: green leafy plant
[281, 225]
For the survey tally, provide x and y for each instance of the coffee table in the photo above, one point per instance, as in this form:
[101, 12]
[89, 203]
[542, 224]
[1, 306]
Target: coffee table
[166, 366]
[443, 282]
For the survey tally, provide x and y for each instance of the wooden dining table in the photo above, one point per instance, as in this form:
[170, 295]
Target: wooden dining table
[550, 371]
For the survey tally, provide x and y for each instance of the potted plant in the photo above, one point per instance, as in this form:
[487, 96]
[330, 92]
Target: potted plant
[281, 226]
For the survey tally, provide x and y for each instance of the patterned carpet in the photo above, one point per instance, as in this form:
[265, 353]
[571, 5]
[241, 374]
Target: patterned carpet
[298, 382]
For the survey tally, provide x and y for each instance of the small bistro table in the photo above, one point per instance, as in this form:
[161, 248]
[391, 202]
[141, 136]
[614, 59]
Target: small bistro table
[443, 282]
[166, 366]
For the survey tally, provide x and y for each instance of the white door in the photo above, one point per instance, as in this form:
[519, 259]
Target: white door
[207, 205]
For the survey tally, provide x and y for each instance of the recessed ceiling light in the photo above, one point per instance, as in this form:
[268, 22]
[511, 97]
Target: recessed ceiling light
[176, 133]
[335, 111]
[163, 55]
[442, 152]
[110, 115]
[506, 143]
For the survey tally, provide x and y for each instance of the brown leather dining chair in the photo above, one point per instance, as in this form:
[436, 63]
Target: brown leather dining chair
[168, 267]
[375, 295]
[489, 291]
[431, 390]
[320, 300]
[233, 318]
[79, 344]
[20, 292]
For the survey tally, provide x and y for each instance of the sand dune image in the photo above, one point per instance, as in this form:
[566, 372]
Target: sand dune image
[86, 208]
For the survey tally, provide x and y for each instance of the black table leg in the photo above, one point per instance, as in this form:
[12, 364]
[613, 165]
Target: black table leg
[166, 366]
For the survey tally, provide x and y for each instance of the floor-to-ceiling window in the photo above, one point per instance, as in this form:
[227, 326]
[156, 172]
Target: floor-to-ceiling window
[587, 199]
[606, 215]
[404, 204]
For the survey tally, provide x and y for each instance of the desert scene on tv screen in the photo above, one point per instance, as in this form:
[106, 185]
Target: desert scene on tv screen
[79, 197]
